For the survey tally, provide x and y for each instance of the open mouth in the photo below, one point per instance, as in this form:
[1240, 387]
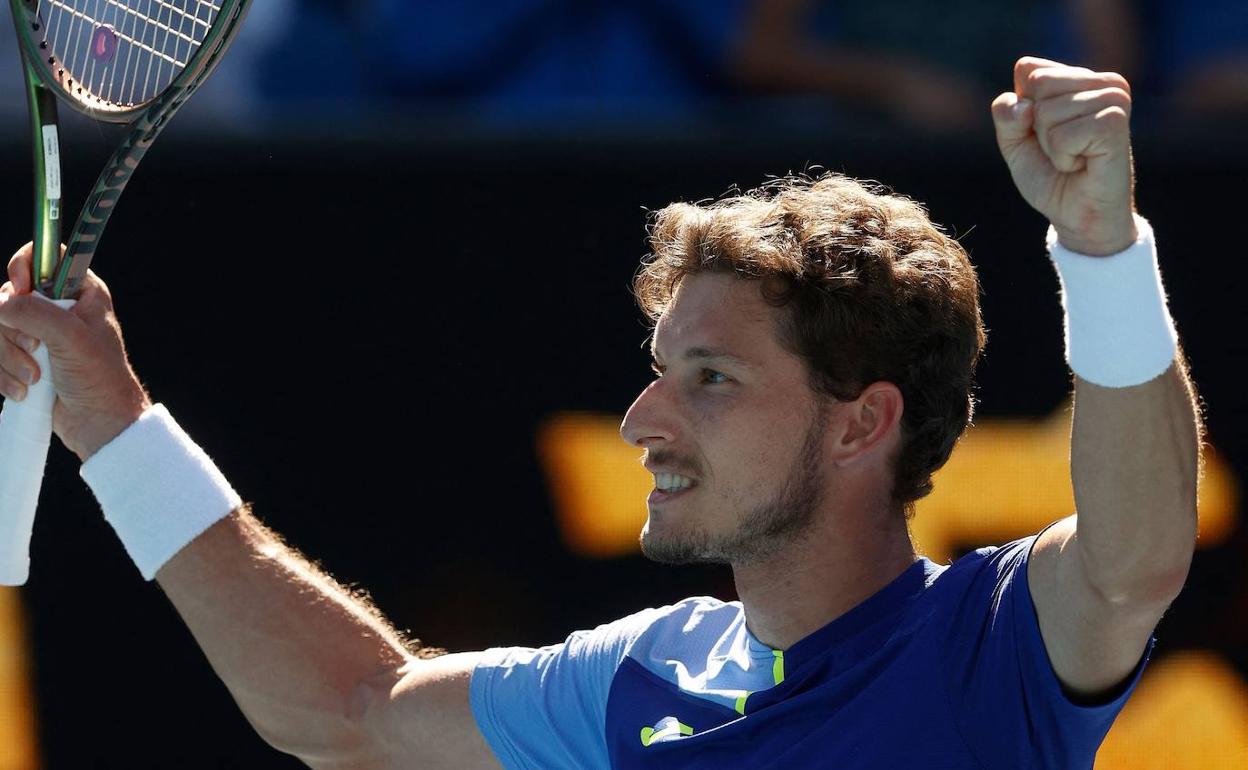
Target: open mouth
[669, 486]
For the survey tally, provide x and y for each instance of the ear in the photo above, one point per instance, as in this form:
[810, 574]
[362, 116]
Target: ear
[868, 424]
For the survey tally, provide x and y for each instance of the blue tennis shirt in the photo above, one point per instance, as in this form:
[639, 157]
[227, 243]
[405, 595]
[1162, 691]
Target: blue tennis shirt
[942, 668]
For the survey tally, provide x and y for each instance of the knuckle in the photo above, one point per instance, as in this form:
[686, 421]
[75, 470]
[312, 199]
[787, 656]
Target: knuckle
[1116, 80]
[1042, 82]
[10, 388]
[23, 254]
[1118, 123]
[1117, 97]
[93, 284]
[13, 359]
[15, 306]
[1111, 119]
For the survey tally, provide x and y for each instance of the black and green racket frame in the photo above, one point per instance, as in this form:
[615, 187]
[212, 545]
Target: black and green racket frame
[47, 78]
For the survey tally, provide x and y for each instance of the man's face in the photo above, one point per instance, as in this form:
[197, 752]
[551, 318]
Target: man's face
[731, 429]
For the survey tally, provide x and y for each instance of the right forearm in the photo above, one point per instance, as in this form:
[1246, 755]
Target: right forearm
[291, 644]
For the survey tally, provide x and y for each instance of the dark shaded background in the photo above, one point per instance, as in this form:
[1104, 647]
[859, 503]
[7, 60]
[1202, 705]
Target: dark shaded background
[363, 316]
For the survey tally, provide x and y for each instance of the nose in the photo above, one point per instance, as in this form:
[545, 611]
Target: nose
[649, 419]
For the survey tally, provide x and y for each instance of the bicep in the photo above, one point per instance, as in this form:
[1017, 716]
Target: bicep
[424, 719]
[1092, 642]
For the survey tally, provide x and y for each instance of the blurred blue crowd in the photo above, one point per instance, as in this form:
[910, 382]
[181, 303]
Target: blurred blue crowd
[931, 66]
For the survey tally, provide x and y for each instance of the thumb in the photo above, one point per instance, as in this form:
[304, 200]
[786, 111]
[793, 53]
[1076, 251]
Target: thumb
[38, 317]
[1013, 118]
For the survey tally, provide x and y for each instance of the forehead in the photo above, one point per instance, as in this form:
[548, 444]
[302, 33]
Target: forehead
[717, 311]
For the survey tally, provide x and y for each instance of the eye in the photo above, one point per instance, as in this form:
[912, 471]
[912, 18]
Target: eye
[712, 377]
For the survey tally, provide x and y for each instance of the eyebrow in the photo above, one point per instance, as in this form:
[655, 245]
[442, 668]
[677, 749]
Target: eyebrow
[709, 354]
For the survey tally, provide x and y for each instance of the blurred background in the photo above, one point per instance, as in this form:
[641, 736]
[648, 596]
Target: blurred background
[403, 325]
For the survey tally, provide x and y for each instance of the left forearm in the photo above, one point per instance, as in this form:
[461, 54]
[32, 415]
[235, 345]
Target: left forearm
[1135, 464]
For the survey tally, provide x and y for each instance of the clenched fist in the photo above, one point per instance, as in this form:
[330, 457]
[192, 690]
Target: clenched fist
[1064, 132]
[98, 395]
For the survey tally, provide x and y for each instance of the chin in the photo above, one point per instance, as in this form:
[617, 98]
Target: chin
[677, 547]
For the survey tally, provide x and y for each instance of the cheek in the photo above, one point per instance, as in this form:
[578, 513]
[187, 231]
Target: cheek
[749, 450]
[710, 413]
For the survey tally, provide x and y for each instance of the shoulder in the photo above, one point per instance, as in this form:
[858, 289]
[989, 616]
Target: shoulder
[978, 584]
[687, 632]
[990, 564]
[651, 627]
[689, 615]
[695, 616]
[545, 706]
[699, 608]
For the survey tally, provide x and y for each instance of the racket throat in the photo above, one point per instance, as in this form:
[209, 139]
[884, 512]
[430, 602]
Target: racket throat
[46, 146]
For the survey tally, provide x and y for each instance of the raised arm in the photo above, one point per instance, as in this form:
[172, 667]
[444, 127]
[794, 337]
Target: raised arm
[315, 667]
[1101, 579]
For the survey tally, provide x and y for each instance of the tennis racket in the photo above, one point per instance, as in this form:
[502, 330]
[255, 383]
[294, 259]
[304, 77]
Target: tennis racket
[133, 62]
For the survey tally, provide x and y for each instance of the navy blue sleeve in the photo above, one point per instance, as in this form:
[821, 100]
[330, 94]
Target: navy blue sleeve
[545, 708]
[1007, 699]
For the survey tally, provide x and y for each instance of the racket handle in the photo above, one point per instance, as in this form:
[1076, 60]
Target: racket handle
[25, 434]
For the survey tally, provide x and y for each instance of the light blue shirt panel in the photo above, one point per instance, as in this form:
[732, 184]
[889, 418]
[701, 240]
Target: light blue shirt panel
[546, 708]
[737, 663]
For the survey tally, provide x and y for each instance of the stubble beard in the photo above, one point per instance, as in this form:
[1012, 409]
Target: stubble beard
[762, 531]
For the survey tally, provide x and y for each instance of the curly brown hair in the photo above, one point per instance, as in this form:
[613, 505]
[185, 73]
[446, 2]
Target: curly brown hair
[874, 290]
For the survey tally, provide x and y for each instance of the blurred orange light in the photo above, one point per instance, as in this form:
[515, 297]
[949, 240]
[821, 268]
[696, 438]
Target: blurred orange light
[1010, 478]
[1189, 712]
[17, 720]
[597, 483]
[1006, 479]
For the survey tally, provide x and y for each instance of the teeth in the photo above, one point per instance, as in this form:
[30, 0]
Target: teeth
[670, 481]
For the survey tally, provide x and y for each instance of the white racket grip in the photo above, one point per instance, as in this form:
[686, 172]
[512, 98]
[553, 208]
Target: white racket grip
[25, 434]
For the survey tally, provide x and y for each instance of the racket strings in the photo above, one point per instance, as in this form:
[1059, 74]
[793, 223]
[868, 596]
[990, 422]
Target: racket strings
[123, 53]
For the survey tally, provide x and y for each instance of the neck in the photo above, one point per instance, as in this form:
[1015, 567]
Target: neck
[821, 576]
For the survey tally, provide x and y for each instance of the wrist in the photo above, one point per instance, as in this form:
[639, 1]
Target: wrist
[159, 490]
[103, 427]
[1119, 332]
[1102, 240]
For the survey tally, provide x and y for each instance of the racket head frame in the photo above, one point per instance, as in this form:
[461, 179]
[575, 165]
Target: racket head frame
[147, 119]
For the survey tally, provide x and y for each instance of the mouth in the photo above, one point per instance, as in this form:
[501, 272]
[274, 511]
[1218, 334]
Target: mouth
[669, 486]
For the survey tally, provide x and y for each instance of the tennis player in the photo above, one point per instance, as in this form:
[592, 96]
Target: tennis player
[814, 343]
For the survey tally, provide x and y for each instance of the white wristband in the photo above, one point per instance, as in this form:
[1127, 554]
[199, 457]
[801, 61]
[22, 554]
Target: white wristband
[158, 489]
[1118, 330]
